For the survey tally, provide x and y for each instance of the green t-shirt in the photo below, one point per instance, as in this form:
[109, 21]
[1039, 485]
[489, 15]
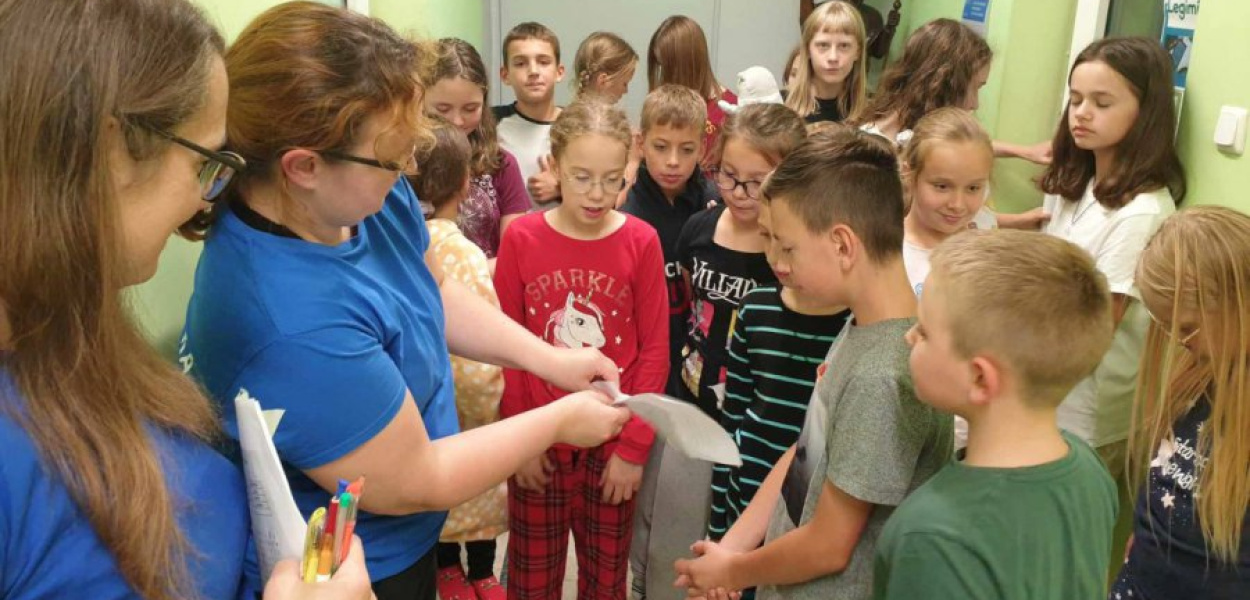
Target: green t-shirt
[1034, 533]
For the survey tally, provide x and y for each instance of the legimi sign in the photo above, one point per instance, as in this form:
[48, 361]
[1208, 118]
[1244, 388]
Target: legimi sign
[977, 15]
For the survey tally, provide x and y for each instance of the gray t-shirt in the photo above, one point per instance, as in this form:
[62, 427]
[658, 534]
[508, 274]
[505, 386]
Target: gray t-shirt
[868, 435]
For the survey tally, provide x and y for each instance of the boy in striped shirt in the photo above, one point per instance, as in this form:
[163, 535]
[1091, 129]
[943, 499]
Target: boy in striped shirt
[780, 338]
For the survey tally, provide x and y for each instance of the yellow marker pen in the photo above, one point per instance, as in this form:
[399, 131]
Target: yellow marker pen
[312, 545]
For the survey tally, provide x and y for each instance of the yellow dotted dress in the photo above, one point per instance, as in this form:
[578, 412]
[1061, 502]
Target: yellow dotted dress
[478, 385]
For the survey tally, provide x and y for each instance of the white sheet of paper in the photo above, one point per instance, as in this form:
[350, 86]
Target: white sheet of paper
[277, 525]
[681, 424]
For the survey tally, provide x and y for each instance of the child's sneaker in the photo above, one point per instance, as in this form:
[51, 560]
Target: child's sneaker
[489, 589]
[452, 584]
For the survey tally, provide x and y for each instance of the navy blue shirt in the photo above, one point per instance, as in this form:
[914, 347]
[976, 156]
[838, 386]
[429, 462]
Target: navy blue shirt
[48, 548]
[1169, 558]
[334, 336]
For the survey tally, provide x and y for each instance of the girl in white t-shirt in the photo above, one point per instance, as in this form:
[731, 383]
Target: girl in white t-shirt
[946, 177]
[1114, 179]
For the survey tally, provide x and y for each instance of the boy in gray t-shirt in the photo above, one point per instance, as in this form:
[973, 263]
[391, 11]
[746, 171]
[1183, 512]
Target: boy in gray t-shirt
[867, 435]
[833, 211]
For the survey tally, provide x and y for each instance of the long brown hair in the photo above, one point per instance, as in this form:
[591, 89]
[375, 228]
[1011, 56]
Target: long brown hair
[1197, 263]
[459, 59]
[602, 52]
[937, 67]
[1146, 159]
[90, 384]
[832, 17]
[307, 75]
[678, 54]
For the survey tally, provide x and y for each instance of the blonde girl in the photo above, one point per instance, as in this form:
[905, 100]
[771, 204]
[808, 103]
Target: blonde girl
[583, 275]
[832, 83]
[497, 196]
[603, 66]
[1191, 434]
[946, 168]
[678, 55]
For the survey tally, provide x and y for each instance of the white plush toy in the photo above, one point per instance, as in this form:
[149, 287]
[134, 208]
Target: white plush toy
[756, 85]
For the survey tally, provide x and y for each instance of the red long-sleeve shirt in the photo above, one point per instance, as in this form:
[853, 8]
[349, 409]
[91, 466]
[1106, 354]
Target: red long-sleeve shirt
[608, 294]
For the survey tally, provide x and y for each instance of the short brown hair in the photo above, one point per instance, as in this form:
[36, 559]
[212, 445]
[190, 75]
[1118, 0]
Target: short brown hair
[844, 176]
[1036, 302]
[673, 106]
[530, 30]
[444, 167]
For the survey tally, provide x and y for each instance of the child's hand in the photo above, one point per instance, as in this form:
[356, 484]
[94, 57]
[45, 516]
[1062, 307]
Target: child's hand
[620, 480]
[544, 186]
[589, 419]
[351, 582]
[709, 574]
[1041, 153]
[1029, 221]
[535, 474]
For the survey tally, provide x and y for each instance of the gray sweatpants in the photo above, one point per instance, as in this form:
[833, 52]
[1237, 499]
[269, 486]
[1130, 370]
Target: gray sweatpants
[671, 514]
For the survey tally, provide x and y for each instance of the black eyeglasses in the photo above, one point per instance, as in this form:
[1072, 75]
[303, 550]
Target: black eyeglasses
[214, 174]
[729, 183]
[408, 167]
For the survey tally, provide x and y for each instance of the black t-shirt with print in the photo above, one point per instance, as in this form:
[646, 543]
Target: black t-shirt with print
[719, 278]
[1169, 557]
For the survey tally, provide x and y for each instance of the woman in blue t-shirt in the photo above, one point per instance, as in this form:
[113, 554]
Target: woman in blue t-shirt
[111, 113]
[313, 294]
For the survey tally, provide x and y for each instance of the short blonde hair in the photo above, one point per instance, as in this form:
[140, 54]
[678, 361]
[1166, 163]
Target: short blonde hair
[1035, 302]
[674, 106]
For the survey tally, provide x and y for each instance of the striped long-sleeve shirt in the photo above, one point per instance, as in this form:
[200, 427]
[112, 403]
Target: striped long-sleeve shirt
[773, 356]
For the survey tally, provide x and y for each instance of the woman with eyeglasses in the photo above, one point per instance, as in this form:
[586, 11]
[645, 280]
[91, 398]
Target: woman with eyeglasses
[313, 296]
[112, 116]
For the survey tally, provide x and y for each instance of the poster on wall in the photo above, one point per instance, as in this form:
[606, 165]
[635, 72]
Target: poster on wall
[1180, 21]
[977, 15]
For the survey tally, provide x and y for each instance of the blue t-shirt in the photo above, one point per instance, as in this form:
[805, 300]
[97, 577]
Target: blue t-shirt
[334, 336]
[48, 548]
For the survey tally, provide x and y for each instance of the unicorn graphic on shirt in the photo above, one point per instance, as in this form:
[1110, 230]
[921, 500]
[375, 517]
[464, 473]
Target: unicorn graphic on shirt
[578, 325]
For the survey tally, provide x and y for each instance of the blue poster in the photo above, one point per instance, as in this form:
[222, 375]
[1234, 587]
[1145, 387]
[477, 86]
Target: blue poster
[977, 15]
[1180, 20]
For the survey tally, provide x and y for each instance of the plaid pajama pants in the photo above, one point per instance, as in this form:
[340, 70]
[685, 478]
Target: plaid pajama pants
[539, 525]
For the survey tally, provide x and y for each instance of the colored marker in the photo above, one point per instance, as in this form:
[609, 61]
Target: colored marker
[340, 527]
[312, 545]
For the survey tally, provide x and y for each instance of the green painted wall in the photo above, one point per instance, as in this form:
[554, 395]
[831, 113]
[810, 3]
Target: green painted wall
[1220, 44]
[161, 303]
[432, 19]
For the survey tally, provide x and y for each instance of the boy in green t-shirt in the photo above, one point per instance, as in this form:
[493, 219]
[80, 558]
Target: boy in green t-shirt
[834, 209]
[1008, 323]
